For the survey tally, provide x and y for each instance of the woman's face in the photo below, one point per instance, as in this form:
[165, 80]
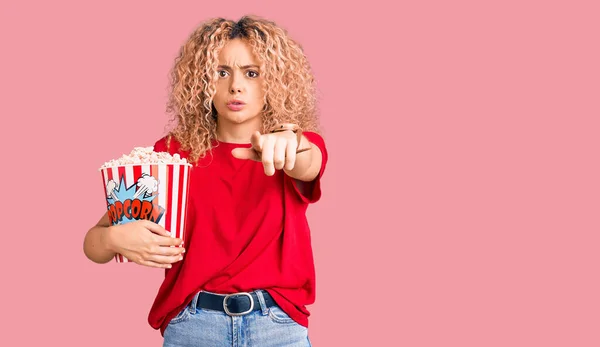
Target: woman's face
[239, 96]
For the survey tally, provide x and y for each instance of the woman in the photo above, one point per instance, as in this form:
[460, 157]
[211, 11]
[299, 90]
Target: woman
[243, 100]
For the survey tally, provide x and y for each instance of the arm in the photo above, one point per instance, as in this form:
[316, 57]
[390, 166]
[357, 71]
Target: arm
[277, 151]
[143, 242]
[97, 243]
[307, 164]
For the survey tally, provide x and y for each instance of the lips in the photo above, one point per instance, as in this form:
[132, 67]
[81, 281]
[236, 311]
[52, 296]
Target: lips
[236, 102]
[235, 105]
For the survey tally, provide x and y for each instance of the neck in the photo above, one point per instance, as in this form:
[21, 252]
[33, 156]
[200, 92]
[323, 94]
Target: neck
[231, 132]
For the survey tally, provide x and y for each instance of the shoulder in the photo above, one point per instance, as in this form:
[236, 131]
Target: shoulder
[172, 146]
[167, 144]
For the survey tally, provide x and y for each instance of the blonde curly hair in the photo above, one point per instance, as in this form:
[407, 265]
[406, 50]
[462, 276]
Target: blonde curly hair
[290, 93]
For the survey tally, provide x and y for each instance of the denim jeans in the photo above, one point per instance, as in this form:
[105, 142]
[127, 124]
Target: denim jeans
[264, 328]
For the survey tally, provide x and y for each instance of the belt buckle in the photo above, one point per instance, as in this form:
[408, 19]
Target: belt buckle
[241, 313]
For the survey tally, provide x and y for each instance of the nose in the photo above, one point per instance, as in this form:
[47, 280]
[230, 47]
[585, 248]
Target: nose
[236, 85]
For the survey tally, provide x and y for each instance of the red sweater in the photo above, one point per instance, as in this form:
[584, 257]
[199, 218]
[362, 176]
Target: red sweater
[244, 231]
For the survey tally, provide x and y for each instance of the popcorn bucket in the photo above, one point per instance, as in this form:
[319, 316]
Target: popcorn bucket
[156, 192]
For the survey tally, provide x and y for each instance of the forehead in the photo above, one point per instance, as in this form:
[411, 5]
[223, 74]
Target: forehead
[237, 52]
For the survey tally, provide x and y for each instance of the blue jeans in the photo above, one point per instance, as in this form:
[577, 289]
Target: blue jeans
[267, 327]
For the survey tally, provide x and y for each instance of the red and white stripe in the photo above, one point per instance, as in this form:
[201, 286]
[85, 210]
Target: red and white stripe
[173, 189]
[183, 194]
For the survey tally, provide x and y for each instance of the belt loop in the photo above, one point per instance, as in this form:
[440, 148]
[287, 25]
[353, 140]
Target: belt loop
[194, 303]
[261, 300]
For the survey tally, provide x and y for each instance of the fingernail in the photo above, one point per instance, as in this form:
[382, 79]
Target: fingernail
[169, 266]
[181, 257]
[183, 251]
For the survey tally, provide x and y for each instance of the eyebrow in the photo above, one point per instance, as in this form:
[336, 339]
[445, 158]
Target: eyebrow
[227, 67]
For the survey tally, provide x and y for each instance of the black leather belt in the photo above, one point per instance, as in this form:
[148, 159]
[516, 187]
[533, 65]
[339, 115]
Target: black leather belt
[237, 304]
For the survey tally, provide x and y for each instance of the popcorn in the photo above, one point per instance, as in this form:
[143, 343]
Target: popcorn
[147, 185]
[145, 155]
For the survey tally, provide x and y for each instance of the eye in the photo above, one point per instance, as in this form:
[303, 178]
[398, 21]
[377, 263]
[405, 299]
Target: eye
[252, 74]
[222, 73]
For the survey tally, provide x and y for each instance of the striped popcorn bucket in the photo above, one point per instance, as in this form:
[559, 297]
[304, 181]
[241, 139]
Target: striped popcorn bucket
[156, 192]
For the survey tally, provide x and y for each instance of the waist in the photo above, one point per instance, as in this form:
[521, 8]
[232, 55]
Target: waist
[235, 304]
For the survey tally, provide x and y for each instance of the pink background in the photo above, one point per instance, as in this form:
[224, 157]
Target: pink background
[460, 205]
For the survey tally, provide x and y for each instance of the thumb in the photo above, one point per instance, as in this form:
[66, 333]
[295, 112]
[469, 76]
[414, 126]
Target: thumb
[257, 141]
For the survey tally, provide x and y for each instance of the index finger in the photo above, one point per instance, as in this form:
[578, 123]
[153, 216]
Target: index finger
[156, 228]
[168, 241]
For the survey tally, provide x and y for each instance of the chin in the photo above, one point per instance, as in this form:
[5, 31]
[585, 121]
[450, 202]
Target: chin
[239, 117]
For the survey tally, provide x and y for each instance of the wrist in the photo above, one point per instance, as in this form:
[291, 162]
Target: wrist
[303, 145]
[294, 128]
